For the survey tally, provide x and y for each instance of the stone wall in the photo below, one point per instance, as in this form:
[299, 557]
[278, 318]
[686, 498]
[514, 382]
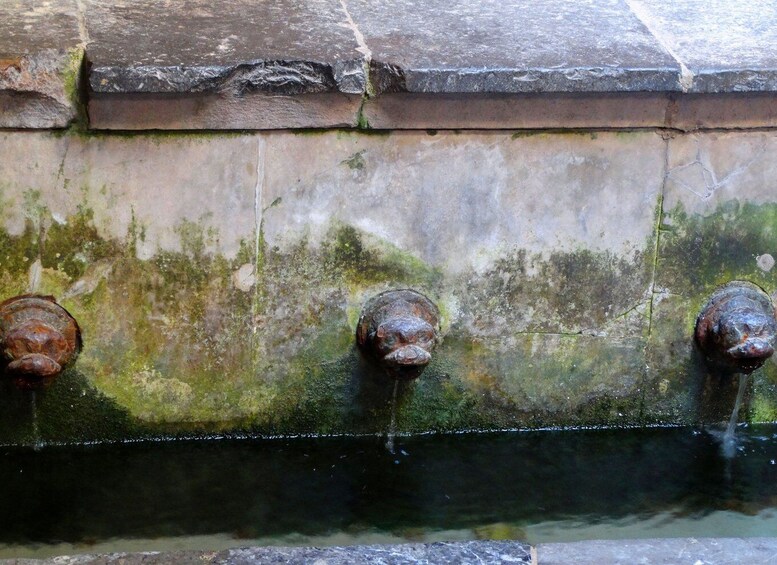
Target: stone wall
[218, 278]
[569, 183]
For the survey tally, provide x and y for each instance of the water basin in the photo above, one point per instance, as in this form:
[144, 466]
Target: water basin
[540, 486]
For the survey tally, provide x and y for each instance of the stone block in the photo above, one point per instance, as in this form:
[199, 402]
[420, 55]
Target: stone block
[40, 64]
[473, 212]
[718, 225]
[509, 47]
[544, 300]
[151, 244]
[515, 111]
[726, 46]
[243, 65]
[712, 551]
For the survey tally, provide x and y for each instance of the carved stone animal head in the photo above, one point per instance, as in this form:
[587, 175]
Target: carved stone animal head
[737, 329]
[38, 338]
[399, 328]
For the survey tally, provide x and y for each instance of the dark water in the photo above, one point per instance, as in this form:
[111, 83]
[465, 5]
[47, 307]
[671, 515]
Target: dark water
[535, 485]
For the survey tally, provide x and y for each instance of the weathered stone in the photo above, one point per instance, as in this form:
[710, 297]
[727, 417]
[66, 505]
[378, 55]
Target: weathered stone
[40, 59]
[138, 237]
[473, 208]
[257, 111]
[218, 279]
[306, 67]
[730, 111]
[515, 111]
[149, 186]
[570, 111]
[511, 47]
[726, 46]
[239, 47]
[709, 551]
[719, 213]
[236, 64]
[441, 552]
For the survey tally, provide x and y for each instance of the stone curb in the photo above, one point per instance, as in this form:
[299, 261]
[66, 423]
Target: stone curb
[679, 551]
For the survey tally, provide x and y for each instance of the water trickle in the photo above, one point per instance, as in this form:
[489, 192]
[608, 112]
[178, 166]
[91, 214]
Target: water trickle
[37, 442]
[729, 444]
[392, 430]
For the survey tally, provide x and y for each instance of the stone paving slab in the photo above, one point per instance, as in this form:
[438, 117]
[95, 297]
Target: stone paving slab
[39, 63]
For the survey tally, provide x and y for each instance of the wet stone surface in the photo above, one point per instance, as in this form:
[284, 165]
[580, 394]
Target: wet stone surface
[39, 60]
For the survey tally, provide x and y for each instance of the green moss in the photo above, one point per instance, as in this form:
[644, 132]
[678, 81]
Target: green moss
[697, 254]
[565, 292]
[172, 347]
[73, 81]
[356, 161]
[72, 410]
[347, 255]
[361, 121]
[763, 406]
[73, 245]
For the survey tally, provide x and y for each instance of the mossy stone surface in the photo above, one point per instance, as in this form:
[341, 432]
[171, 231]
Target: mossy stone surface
[719, 224]
[230, 305]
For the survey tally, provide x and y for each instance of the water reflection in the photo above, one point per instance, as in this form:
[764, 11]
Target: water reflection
[542, 485]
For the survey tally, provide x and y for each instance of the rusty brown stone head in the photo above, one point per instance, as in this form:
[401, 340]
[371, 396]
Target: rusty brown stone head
[38, 338]
[399, 328]
[737, 330]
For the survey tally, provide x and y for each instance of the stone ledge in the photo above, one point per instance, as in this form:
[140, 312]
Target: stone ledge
[710, 551]
[441, 552]
[40, 56]
[397, 64]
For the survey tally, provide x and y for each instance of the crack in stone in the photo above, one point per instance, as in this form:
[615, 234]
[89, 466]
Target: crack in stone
[686, 76]
[363, 48]
[709, 176]
[83, 30]
[258, 226]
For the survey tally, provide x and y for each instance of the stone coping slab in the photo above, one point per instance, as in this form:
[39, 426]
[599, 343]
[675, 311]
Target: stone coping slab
[40, 52]
[241, 47]
[677, 551]
[396, 64]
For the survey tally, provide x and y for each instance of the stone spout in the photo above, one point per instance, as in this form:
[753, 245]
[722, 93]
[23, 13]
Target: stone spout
[38, 338]
[399, 329]
[737, 330]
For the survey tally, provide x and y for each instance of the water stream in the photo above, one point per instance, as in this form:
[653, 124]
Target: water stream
[392, 430]
[38, 443]
[729, 440]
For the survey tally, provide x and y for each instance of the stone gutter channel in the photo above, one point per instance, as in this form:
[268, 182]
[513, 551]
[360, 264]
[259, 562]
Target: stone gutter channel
[393, 65]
